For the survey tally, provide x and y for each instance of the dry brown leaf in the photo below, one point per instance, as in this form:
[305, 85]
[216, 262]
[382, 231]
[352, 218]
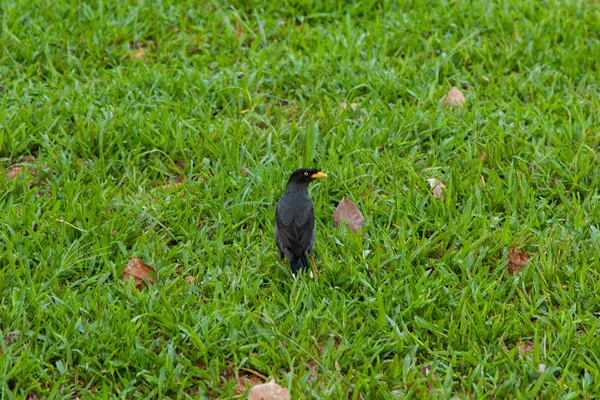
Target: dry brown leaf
[482, 181]
[173, 181]
[483, 156]
[244, 381]
[12, 172]
[140, 272]
[344, 105]
[437, 187]
[269, 391]
[348, 212]
[526, 347]
[455, 98]
[15, 170]
[140, 54]
[516, 260]
[190, 279]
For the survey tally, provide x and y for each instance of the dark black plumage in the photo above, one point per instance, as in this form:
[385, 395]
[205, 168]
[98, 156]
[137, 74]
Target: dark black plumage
[295, 219]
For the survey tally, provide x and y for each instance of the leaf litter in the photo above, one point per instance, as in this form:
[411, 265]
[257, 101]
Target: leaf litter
[437, 187]
[141, 273]
[455, 98]
[516, 260]
[269, 391]
[348, 212]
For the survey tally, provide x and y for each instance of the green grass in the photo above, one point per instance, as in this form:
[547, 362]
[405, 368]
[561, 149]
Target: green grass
[232, 97]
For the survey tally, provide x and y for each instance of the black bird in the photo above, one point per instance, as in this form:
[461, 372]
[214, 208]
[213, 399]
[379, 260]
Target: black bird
[295, 219]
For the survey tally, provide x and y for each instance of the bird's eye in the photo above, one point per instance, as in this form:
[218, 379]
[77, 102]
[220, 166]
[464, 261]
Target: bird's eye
[306, 174]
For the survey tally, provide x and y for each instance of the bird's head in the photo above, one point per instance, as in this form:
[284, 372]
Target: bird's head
[304, 176]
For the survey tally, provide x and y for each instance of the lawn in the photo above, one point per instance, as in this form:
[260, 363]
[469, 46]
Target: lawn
[167, 130]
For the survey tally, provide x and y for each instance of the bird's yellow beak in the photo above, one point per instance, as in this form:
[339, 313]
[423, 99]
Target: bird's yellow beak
[318, 175]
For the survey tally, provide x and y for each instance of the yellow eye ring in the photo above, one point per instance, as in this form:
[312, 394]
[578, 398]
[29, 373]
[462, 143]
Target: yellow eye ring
[306, 174]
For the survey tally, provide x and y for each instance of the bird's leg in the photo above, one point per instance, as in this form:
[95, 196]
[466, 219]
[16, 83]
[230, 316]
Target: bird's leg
[314, 266]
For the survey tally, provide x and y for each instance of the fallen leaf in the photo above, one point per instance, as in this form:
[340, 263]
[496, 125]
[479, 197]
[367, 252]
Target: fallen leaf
[348, 212]
[16, 169]
[483, 156]
[140, 54]
[482, 181]
[12, 172]
[269, 391]
[244, 381]
[516, 260]
[344, 105]
[526, 347]
[140, 272]
[437, 187]
[189, 279]
[542, 367]
[173, 181]
[33, 396]
[455, 98]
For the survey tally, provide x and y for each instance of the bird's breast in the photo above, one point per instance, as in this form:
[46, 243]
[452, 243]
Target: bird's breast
[296, 209]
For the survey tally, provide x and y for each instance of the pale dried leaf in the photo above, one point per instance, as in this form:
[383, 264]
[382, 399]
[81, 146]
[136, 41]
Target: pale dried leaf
[140, 54]
[190, 279]
[483, 184]
[347, 211]
[140, 272]
[269, 391]
[455, 98]
[437, 187]
[483, 156]
[344, 105]
[516, 260]
[542, 367]
[12, 172]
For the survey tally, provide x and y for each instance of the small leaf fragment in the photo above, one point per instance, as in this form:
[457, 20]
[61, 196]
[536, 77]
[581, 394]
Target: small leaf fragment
[455, 98]
[542, 367]
[12, 172]
[344, 105]
[527, 347]
[140, 272]
[516, 260]
[348, 212]
[437, 187]
[269, 391]
[190, 279]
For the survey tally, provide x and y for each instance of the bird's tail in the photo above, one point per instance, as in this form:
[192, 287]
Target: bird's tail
[299, 263]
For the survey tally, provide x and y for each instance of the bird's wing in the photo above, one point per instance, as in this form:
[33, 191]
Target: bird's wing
[295, 234]
[306, 230]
